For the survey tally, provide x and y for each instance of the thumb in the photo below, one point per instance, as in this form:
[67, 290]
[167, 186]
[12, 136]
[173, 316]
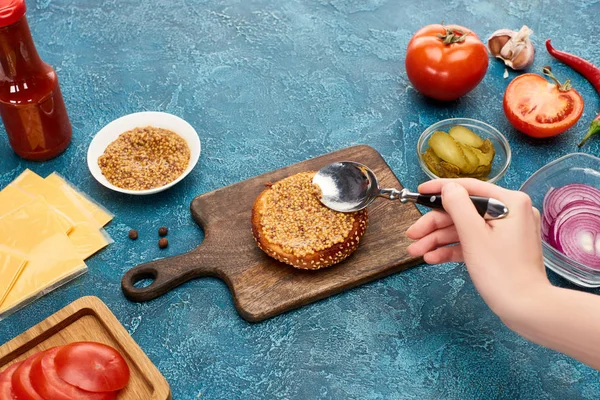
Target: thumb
[469, 224]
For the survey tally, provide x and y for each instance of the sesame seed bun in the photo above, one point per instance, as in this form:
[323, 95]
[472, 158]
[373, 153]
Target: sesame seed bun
[290, 224]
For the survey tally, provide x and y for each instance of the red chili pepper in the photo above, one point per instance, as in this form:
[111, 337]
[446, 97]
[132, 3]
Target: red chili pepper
[584, 67]
[594, 129]
[589, 72]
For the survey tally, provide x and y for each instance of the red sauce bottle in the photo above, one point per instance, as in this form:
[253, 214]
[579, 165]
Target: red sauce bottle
[31, 105]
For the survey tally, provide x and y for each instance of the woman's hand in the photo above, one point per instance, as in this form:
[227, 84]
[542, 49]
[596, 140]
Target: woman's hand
[503, 257]
[504, 260]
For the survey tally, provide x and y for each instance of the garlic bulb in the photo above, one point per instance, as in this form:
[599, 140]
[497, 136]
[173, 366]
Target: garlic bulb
[514, 48]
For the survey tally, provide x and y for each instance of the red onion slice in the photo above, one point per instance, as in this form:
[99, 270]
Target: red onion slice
[556, 199]
[546, 204]
[574, 208]
[579, 239]
[571, 222]
[545, 228]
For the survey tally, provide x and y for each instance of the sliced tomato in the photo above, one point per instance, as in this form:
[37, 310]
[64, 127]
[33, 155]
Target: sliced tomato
[21, 382]
[91, 366]
[6, 391]
[47, 383]
[539, 108]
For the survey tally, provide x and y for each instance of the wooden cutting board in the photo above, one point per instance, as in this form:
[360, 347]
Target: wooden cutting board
[89, 319]
[261, 286]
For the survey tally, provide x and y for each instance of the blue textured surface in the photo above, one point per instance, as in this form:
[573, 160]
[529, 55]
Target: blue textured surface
[269, 83]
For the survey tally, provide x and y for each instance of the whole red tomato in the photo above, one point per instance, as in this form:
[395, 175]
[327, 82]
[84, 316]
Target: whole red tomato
[445, 62]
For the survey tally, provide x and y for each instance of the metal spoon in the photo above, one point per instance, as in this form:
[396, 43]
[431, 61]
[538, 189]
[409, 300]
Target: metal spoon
[349, 186]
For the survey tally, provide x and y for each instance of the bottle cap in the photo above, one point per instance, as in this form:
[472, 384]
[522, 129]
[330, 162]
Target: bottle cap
[11, 11]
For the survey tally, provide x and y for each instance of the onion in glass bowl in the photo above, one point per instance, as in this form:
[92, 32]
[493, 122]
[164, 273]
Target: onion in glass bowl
[575, 168]
[571, 222]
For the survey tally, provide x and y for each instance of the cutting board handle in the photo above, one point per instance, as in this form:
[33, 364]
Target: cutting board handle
[166, 274]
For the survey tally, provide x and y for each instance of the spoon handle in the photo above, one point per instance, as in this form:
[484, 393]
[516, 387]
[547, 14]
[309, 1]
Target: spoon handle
[486, 207]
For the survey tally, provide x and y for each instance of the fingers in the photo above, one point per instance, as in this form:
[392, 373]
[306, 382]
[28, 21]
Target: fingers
[444, 255]
[537, 218]
[458, 205]
[536, 214]
[430, 222]
[438, 238]
[473, 186]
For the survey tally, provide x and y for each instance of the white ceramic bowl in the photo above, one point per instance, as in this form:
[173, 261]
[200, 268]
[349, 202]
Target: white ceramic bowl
[111, 132]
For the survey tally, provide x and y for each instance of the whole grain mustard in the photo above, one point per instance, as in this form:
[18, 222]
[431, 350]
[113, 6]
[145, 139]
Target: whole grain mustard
[145, 158]
[295, 219]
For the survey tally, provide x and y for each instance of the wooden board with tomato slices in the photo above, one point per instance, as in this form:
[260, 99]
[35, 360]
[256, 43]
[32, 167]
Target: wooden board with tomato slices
[80, 353]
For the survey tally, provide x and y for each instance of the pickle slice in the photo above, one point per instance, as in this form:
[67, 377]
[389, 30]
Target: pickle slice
[465, 136]
[449, 150]
[438, 166]
[487, 148]
[484, 159]
[449, 170]
[472, 158]
[433, 162]
[481, 171]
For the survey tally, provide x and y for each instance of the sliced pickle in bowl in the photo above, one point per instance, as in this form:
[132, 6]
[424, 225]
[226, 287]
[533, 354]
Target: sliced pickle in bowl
[459, 153]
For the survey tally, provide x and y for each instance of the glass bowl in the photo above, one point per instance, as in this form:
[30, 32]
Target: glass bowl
[572, 168]
[485, 131]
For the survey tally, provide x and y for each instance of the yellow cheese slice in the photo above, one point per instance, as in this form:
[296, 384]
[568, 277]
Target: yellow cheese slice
[88, 239]
[11, 198]
[51, 257]
[11, 266]
[32, 183]
[99, 213]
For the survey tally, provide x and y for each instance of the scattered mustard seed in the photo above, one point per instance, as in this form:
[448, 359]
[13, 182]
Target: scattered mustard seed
[163, 243]
[163, 230]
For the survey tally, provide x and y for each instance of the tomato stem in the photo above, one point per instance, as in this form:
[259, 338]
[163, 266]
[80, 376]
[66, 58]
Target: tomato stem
[453, 36]
[562, 87]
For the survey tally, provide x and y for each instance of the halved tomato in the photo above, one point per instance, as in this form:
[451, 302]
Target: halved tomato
[21, 381]
[91, 366]
[6, 391]
[47, 383]
[540, 108]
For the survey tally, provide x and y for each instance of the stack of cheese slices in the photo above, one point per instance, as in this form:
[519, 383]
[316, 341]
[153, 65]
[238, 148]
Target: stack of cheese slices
[47, 230]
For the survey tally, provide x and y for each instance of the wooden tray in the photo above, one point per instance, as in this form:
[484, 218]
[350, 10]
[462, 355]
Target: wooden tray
[89, 319]
[261, 286]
